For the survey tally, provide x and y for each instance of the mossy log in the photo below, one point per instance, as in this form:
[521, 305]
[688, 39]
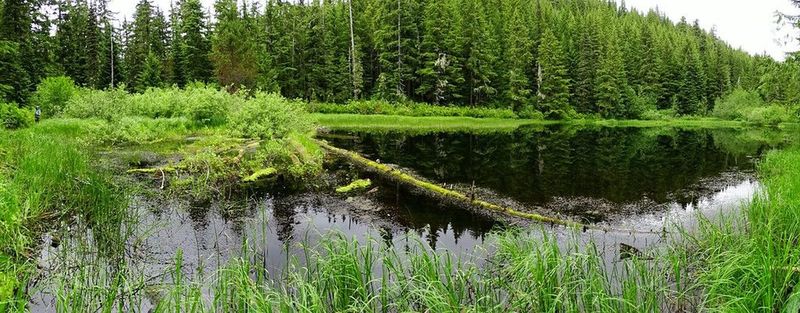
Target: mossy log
[443, 192]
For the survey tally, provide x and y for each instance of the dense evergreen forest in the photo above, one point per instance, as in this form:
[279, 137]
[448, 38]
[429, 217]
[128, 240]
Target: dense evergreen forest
[559, 57]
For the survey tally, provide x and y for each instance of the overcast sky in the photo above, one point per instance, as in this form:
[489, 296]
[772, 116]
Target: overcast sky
[747, 24]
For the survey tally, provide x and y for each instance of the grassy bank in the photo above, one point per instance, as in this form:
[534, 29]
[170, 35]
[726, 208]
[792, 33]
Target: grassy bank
[454, 124]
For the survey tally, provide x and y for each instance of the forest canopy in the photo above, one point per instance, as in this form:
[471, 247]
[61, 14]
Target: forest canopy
[559, 58]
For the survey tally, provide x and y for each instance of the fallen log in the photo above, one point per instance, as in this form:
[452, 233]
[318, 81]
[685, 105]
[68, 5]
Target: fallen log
[412, 181]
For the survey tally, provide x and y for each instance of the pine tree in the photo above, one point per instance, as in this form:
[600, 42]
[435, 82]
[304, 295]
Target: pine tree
[194, 45]
[151, 73]
[610, 84]
[553, 82]
[584, 96]
[440, 71]
[690, 97]
[15, 27]
[397, 49]
[477, 67]
[233, 51]
[267, 78]
[519, 59]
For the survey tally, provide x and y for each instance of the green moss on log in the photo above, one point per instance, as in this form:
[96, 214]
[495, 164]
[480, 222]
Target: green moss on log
[356, 185]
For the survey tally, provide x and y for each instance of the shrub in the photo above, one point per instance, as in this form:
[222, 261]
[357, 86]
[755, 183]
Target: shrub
[53, 94]
[208, 106]
[269, 116]
[158, 103]
[12, 117]
[103, 104]
[139, 130]
[769, 115]
[734, 105]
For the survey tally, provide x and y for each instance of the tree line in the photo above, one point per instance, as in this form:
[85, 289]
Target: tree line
[559, 57]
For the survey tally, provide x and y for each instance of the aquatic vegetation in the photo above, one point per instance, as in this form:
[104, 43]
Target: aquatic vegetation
[356, 185]
[753, 260]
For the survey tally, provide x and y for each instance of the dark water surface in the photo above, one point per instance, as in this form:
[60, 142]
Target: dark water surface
[595, 174]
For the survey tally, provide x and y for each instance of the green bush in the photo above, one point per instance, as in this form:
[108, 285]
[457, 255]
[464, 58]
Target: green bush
[748, 106]
[269, 116]
[53, 94]
[139, 130]
[734, 105]
[103, 104]
[158, 103]
[770, 115]
[12, 117]
[208, 106]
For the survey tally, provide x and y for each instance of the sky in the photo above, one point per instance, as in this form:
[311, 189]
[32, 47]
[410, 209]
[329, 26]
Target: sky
[747, 24]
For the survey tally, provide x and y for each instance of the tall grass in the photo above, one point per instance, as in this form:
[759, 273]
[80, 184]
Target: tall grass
[753, 263]
[46, 176]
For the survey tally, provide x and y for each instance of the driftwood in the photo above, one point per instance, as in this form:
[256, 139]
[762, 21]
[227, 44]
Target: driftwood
[443, 192]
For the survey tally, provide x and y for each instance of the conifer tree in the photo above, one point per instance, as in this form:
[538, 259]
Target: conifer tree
[477, 67]
[15, 48]
[397, 48]
[195, 47]
[151, 73]
[584, 96]
[553, 82]
[519, 59]
[440, 71]
[233, 51]
[610, 81]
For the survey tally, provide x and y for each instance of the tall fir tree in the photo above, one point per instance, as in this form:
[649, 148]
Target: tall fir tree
[233, 51]
[553, 82]
[195, 47]
[15, 47]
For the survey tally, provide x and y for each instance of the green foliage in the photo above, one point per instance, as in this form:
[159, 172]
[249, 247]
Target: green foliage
[138, 130]
[269, 116]
[51, 177]
[53, 94]
[750, 107]
[734, 105]
[207, 106]
[371, 107]
[108, 104]
[12, 117]
[554, 84]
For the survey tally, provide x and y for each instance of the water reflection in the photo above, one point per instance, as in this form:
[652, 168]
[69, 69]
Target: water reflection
[539, 165]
